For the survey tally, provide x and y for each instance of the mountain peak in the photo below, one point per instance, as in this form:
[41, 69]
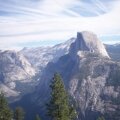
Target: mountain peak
[88, 41]
[83, 32]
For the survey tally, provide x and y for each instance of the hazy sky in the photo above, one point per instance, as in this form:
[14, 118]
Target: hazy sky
[30, 23]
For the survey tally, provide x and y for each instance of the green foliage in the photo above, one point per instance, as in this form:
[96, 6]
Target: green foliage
[58, 106]
[72, 113]
[37, 117]
[19, 113]
[5, 112]
[101, 118]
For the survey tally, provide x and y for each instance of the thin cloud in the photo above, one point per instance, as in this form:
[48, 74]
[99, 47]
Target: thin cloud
[45, 20]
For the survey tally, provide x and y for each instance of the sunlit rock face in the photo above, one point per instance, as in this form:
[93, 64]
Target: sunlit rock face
[41, 56]
[14, 67]
[88, 41]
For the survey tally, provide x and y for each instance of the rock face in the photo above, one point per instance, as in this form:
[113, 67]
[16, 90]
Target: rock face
[14, 67]
[90, 77]
[93, 83]
[88, 41]
[85, 41]
[41, 56]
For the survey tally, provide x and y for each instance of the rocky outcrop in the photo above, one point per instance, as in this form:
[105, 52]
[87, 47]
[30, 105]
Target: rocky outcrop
[93, 88]
[88, 41]
[41, 56]
[14, 67]
[91, 78]
[85, 41]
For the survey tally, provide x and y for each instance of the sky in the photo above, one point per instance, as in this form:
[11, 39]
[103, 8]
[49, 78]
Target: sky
[33, 23]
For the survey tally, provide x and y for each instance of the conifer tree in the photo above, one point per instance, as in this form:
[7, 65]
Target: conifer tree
[5, 111]
[58, 106]
[19, 113]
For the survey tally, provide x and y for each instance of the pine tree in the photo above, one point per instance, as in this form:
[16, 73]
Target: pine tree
[37, 117]
[5, 111]
[58, 106]
[19, 113]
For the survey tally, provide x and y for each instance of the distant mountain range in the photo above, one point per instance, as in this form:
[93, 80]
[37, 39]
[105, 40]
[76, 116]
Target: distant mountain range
[89, 70]
[114, 51]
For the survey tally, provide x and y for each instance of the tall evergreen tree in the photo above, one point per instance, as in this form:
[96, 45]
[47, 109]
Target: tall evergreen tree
[19, 113]
[5, 111]
[58, 106]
